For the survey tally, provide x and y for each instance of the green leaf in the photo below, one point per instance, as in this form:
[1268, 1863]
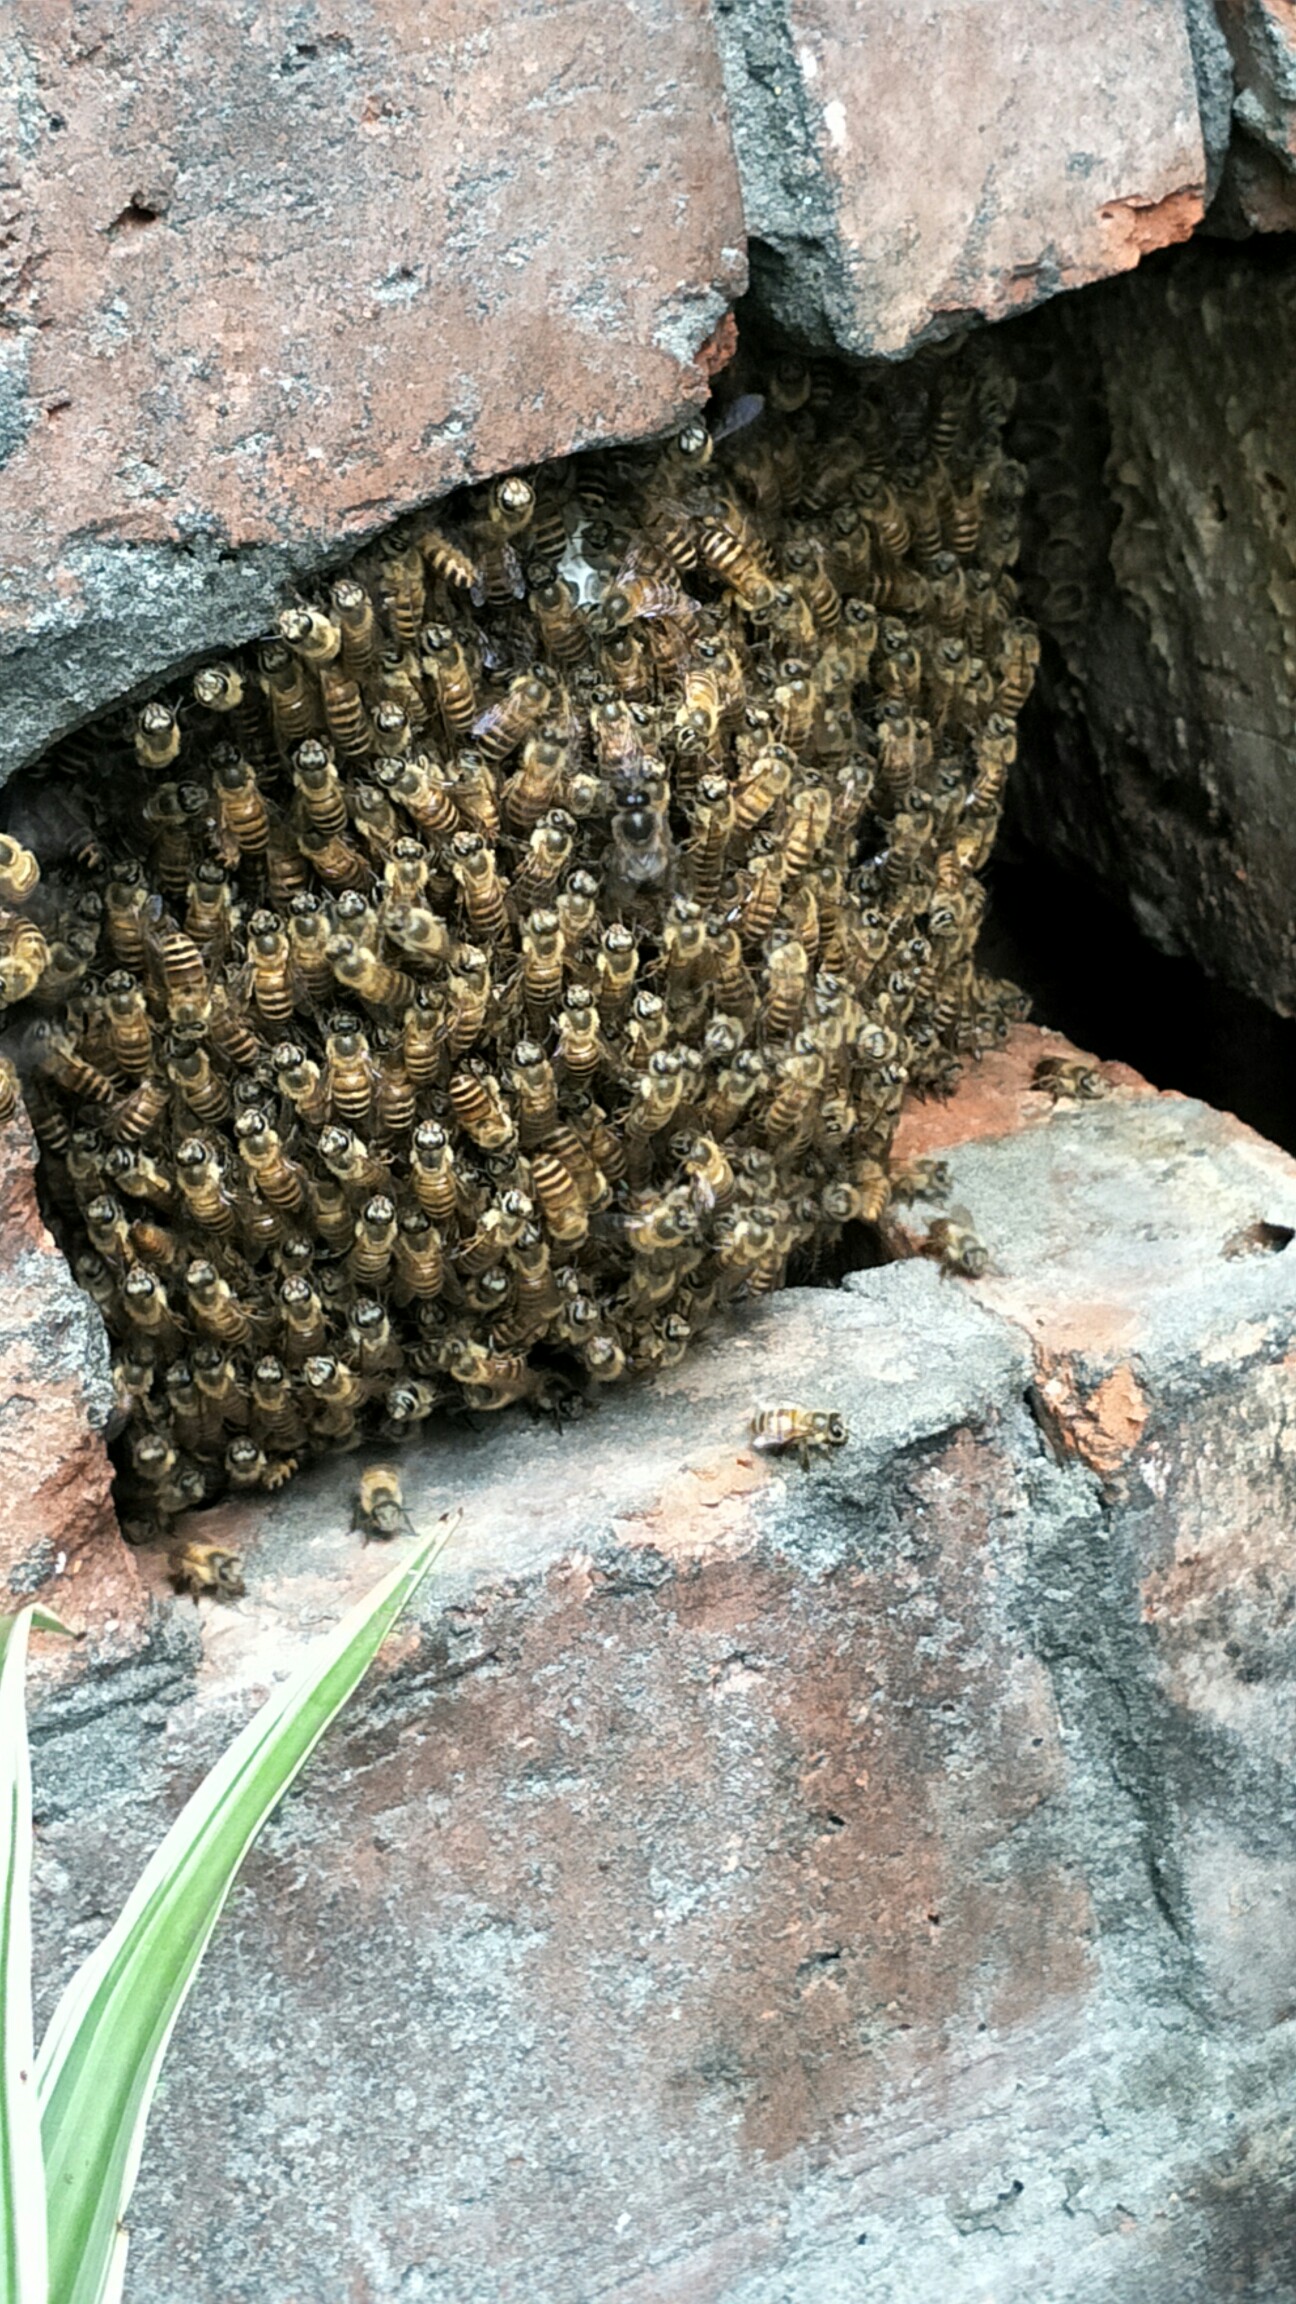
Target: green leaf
[99, 2062]
[22, 2173]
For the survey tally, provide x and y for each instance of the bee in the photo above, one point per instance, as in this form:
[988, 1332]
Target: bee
[761, 785]
[432, 1173]
[334, 1394]
[805, 1430]
[345, 715]
[924, 1178]
[642, 850]
[279, 1180]
[710, 1173]
[475, 795]
[359, 635]
[480, 1109]
[419, 1263]
[319, 787]
[448, 560]
[206, 1568]
[549, 852]
[198, 1175]
[952, 1242]
[577, 909]
[157, 736]
[536, 786]
[564, 632]
[19, 871]
[422, 788]
[503, 726]
[10, 1095]
[209, 914]
[214, 1307]
[373, 981]
[349, 1072]
[140, 1112]
[580, 1042]
[380, 1505]
[535, 1088]
[482, 890]
[787, 966]
[244, 817]
[350, 1162]
[310, 635]
[1070, 1076]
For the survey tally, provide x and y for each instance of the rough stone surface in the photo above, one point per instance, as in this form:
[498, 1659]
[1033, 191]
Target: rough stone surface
[58, 1535]
[1045, 159]
[1160, 557]
[1257, 194]
[270, 276]
[746, 1883]
[1261, 35]
[1145, 1245]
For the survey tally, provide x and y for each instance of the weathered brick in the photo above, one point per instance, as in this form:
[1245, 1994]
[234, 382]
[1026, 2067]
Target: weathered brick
[270, 277]
[1145, 1246]
[58, 1535]
[904, 169]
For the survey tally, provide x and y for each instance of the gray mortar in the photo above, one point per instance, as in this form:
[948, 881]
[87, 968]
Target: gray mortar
[794, 250]
[1213, 70]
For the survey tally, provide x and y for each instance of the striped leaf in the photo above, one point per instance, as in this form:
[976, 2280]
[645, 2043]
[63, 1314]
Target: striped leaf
[99, 2062]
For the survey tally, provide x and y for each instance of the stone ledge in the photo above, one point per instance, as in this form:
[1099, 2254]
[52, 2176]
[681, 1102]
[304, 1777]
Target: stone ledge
[272, 280]
[738, 1868]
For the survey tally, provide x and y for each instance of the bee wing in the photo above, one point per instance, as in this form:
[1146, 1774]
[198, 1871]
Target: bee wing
[738, 415]
[492, 719]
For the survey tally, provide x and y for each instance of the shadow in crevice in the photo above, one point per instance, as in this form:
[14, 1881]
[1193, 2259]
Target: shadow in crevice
[1091, 975]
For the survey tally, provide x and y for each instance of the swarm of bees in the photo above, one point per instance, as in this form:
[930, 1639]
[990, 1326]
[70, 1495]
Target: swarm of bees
[463, 994]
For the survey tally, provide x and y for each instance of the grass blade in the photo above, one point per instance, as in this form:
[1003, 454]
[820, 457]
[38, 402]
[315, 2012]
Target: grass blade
[22, 2174]
[99, 2062]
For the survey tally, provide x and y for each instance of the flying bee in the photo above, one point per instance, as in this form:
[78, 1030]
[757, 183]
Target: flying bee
[380, 1505]
[206, 1568]
[952, 1242]
[924, 1178]
[805, 1430]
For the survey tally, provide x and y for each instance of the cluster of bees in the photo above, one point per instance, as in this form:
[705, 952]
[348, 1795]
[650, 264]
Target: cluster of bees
[462, 995]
